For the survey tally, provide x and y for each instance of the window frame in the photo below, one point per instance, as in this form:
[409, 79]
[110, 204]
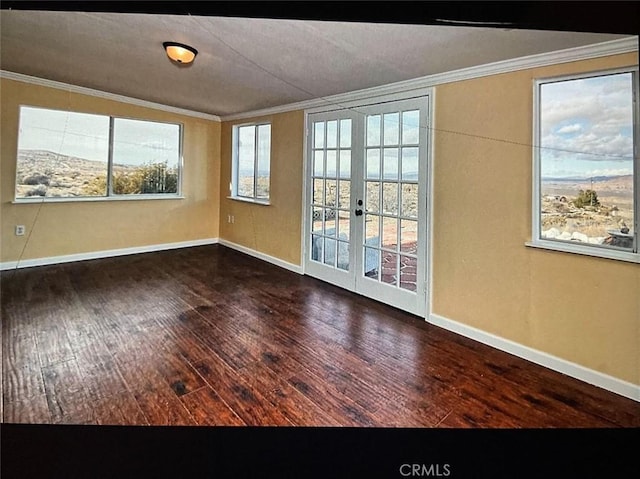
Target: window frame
[109, 195]
[235, 159]
[600, 251]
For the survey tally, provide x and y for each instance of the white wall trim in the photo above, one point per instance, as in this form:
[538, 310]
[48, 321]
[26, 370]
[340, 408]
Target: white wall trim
[28, 263]
[604, 381]
[614, 47]
[103, 94]
[264, 257]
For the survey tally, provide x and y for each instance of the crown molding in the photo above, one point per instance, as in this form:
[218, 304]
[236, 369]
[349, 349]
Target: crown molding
[103, 94]
[614, 47]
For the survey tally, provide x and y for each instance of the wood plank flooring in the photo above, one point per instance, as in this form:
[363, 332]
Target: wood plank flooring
[210, 336]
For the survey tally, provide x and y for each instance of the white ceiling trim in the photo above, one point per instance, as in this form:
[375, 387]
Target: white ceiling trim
[103, 94]
[614, 47]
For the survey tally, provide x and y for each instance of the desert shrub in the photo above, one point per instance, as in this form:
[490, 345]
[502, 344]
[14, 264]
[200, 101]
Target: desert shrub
[96, 187]
[41, 190]
[158, 178]
[586, 198]
[151, 178]
[36, 180]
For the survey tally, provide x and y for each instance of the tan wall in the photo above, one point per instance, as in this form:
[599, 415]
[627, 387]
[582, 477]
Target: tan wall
[79, 227]
[583, 309]
[275, 229]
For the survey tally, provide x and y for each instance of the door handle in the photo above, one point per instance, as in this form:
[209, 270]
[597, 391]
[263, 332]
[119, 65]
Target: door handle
[358, 212]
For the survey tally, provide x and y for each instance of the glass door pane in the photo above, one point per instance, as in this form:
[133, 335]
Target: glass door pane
[391, 184]
[331, 196]
[366, 201]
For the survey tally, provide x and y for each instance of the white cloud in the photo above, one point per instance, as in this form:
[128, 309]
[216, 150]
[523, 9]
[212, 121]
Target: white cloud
[597, 112]
[609, 172]
[570, 128]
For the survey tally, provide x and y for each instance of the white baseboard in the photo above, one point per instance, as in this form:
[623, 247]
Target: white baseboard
[618, 386]
[28, 263]
[265, 257]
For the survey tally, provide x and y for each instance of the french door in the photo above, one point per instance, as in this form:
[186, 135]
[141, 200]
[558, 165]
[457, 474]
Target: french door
[366, 202]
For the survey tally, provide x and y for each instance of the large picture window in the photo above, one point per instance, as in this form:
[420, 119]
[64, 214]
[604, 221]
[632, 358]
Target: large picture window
[251, 162]
[63, 154]
[586, 174]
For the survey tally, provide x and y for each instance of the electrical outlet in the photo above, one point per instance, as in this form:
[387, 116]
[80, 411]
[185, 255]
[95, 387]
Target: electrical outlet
[233, 219]
[20, 229]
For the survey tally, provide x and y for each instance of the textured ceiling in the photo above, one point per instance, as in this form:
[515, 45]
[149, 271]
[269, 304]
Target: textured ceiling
[248, 64]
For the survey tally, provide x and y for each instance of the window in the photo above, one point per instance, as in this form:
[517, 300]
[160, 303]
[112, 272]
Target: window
[586, 178]
[64, 154]
[251, 162]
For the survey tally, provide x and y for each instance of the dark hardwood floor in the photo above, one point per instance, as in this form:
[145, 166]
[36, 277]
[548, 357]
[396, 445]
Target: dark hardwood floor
[210, 336]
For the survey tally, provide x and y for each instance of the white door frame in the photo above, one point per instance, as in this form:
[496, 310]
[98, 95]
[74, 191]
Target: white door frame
[427, 279]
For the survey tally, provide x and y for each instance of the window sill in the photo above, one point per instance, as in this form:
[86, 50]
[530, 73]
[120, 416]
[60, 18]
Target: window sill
[250, 200]
[594, 251]
[83, 199]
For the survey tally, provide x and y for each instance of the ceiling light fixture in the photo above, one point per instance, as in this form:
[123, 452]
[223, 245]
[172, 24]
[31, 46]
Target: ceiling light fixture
[179, 52]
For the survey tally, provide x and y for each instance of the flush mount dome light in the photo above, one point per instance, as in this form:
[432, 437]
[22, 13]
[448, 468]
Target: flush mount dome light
[179, 52]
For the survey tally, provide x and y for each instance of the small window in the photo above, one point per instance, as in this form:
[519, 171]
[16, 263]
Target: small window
[251, 162]
[63, 154]
[586, 194]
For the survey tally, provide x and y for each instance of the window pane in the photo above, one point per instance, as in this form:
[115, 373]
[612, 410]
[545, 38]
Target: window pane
[410, 164]
[331, 164]
[410, 127]
[318, 163]
[330, 222]
[372, 230]
[331, 190]
[409, 236]
[410, 200]
[145, 157]
[391, 128]
[317, 243]
[332, 134]
[61, 154]
[390, 164]
[373, 130]
[389, 268]
[343, 255]
[318, 222]
[345, 164]
[343, 225]
[246, 160]
[318, 191]
[345, 133]
[345, 194]
[373, 197]
[371, 261]
[373, 164]
[330, 251]
[390, 198]
[318, 135]
[390, 233]
[408, 273]
[264, 161]
[586, 160]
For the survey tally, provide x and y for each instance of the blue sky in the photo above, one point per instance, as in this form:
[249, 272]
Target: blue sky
[592, 115]
[87, 136]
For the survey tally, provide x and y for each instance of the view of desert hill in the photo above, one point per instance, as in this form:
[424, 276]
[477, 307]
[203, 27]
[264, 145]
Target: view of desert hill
[603, 185]
[40, 171]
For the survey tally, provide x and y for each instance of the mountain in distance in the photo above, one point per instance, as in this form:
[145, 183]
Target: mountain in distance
[61, 162]
[582, 179]
[615, 185]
